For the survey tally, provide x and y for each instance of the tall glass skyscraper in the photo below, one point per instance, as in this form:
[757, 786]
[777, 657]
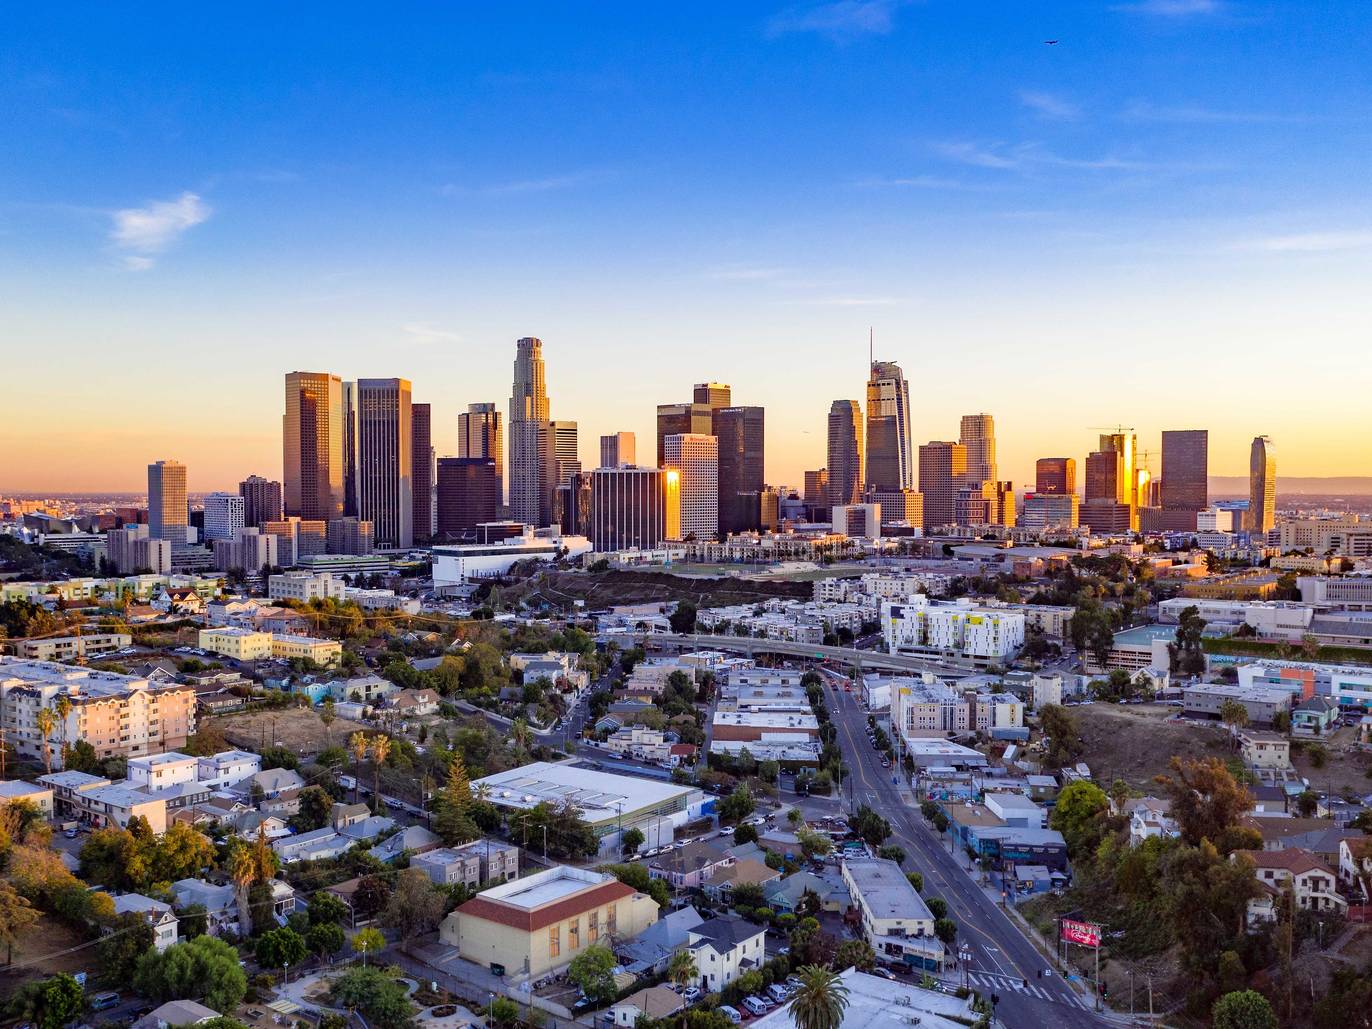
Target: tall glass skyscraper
[479, 435]
[385, 460]
[312, 446]
[978, 435]
[1185, 469]
[530, 453]
[890, 456]
[168, 514]
[845, 452]
[1262, 485]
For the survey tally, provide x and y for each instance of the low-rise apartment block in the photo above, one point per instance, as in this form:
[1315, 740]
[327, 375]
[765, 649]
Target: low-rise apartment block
[896, 922]
[70, 648]
[472, 864]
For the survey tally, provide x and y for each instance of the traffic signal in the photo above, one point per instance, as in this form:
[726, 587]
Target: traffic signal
[1105, 991]
[995, 999]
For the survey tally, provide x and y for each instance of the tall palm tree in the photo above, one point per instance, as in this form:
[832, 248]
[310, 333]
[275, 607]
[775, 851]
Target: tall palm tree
[381, 746]
[521, 735]
[820, 1001]
[242, 869]
[63, 706]
[47, 721]
[682, 971]
[357, 743]
[327, 716]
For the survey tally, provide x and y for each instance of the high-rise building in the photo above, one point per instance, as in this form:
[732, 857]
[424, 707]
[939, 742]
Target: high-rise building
[261, 500]
[350, 448]
[817, 486]
[1126, 444]
[297, 538]
[468, 495]
[131, 549]
[976, 505]
[168, 514]
[696, 458]
[978, 436]
[905, 506]
[845, 452]
[1055, 475]
[715, 395]
[479, 435]
[531, 474]
[224, 516]
[422, 471]
[617, 449]
[1106, 478]
[1262, 485]
[385, 463]
[683, 419]
[634, 507]
[890, 449]
[942, 473]
[741, 434]
[1185, 470]
[574, 505]
[252, 550]
[566, 459]
[1050, 511]
[312, 445]
[353, 536]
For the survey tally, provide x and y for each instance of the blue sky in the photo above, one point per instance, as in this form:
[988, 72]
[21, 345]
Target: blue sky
[1162, 220]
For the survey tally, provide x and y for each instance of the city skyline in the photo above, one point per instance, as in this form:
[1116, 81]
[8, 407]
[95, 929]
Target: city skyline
[1021, 224]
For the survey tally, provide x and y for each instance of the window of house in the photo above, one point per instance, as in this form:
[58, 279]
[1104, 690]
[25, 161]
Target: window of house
[574, 933]
[554, 941]
[611, 920]
[593, 926]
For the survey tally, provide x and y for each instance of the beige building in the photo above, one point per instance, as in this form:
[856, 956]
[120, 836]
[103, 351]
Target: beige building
[70, 648]
[543, 921]
[321, 652]
[118, 715]
[235, 643]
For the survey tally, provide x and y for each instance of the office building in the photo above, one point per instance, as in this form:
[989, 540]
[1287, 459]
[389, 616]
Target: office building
[479, 435]
[1185, 470]
[168, 513]
[1262, 485]
[978, 438]
[574, 505]
[1105, 477]
[696, 460]
[1049, 511]
[845, 452]
[890, 455]
[817, 486]
[566, 460]
[1055, 475]
[1125, 444]
[634, 508]
[681, 420]
[468, 495]
[942, 473]
[530, 451]
[349, 434]
[261, 500]
[312, 446]
[617, 449]
[385, 434]
[714, 395]
[1106, 516]
[741, 433]
[356, 536]
[857, 521]
[249, 552]
[224, 516]
[422, 471]
[297, 538]
[904, 506]
[132, 550]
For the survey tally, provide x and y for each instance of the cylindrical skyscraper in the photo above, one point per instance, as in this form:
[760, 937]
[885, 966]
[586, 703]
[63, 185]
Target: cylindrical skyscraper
[530, 453]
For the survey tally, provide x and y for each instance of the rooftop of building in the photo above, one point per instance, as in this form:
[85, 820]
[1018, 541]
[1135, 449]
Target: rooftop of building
[71, 779]
[768, 719]
[885, 890]
[1144, 635]
[170, 757]
[545, 897]
[79, 681]
[599, 795]
[122, 795]
[877, 1003]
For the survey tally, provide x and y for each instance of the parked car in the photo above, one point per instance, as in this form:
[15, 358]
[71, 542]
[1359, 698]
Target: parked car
[755, 1005]
[691, 994]
[731, 1013]
[778, 992]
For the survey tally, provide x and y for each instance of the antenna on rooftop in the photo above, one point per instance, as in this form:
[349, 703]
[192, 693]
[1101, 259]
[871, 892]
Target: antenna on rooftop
[871, 348]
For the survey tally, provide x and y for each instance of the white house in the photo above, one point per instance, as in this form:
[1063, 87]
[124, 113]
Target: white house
[228, 768]
[1312, 883]
[159, 916]
[1148, 818]
[725, 948]
[155, 772]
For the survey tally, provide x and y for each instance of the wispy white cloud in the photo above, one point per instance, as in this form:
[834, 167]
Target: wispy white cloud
[921, 182]
[1311, 242]
[747, 273]
[840, 21]
[514, 187]
[424, 333]
[1195, 115]
[1029, 156]
[853, 301]
[1049, 105]
[1172, 8]
[144, 232]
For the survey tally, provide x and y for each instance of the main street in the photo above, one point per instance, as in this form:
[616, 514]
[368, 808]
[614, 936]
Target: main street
[1002, 958]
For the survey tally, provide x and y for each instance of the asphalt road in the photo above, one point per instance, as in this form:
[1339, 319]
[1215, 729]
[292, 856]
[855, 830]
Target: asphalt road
[1001, 957]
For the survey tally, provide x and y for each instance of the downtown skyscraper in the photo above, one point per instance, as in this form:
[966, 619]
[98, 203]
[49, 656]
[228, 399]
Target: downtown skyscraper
[479, 435]
[422, 454]
[890, 453]
[168, 515]
[1185, 470]
[695, 460]
[531, 455]
[845, 452]
[312, 441]
[978, 436]
[741, 432]
[385, 460]
[1262, 485]
[942, 474]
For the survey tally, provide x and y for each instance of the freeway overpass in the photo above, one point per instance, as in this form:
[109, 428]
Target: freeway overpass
[862, 660]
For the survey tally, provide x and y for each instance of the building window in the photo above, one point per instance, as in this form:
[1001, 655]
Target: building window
[593, 927]
[611, 920]
[574, 934]
[554, 941]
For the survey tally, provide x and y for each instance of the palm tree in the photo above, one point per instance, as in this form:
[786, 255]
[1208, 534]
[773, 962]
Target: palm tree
[242, 869]
[357, 743]
[63, 705]
[682, 971]
[47, 721]
[521, 735]
[327, 716]
[381, 746]
[820, 1001]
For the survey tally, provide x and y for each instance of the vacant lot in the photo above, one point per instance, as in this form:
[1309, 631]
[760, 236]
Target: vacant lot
[295, 728]
[1135, 742]
[46, 949]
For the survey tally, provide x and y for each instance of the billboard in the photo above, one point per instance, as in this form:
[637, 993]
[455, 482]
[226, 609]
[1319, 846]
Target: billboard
[1082, 933]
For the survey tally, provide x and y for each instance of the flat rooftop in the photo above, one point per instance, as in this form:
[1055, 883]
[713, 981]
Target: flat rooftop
[80, 682]
[170, 757]
[545, 887]
[876, 1003]
[1144, 635]
[885, 890]
[599, 795]
[767, 719]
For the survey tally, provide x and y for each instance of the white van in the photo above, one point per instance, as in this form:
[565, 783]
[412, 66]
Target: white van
[732, 1014]
[754, 1005]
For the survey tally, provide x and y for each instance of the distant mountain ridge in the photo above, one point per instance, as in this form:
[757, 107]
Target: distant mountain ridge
[1333, 485]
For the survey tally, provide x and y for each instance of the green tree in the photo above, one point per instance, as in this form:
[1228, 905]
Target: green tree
[855, 954]
[17, 917]
[280, 948]
[192, 921]
[745, 834]
[683, 619]
[380, 999]
[1243, 1009]
[1079, 815]
[316, 808]
[916, 880]
[631, 840]
[1205, 800]
[873, 829]
[59, 1002]
[1062, 737]
[326, 909]
[130, 937]
[738, 805]
[416, 906]
[503, 1012]
[368, 941]
[593, 971]
[636, 875]
[946, 930]
[820, 1000]
[812, 844]
[204, 968]
[325, 939]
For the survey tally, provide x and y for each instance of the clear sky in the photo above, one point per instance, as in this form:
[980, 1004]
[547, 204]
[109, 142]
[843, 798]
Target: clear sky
[1163, 220]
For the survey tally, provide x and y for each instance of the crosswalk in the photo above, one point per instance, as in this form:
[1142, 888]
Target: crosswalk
[995, 982]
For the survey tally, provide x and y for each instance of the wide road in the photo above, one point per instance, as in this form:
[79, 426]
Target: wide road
[1002, 958]
[851, 657]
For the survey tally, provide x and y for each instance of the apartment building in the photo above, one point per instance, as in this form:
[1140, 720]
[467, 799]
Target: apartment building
[472, 864]
[72, 648]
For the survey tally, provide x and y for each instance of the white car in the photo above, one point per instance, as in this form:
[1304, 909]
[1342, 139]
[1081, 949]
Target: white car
[731, 1013]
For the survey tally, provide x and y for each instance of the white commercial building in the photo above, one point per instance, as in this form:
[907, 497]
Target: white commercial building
[224, 514]
[460, 563]
[956, 629]
[304, 586]
[156, 772]
[695, 457]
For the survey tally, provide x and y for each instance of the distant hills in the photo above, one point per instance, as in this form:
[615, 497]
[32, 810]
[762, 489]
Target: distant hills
[1327, 486]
